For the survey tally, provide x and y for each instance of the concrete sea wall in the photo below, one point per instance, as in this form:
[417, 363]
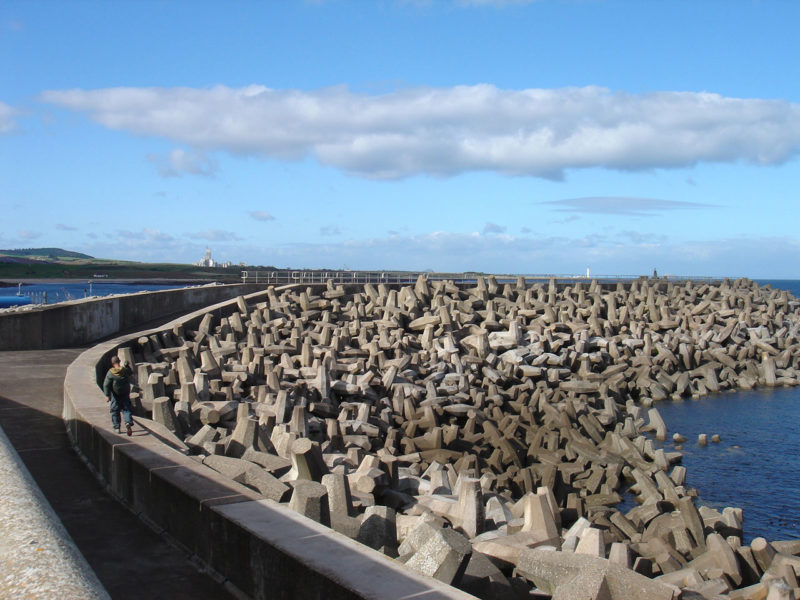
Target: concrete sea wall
[80, 322]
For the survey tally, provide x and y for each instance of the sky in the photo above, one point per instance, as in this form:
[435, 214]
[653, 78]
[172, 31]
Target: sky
[527, 137]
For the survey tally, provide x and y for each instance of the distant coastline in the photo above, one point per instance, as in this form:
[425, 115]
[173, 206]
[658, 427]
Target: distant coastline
[125, 281]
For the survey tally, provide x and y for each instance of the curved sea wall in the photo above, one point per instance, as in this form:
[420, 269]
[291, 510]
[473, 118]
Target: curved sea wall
[263, 549]
[481, 435]
[80, 322]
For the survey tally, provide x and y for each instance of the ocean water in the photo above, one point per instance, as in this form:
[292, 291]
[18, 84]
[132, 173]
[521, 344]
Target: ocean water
[792, 285]
[756, 465]
[61, 292]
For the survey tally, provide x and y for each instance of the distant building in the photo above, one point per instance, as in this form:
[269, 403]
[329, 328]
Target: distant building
[207, 260]
[210, 262]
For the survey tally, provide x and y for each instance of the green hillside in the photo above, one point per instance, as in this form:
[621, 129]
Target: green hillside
[46, 253]
[12, 271]
[57, 263]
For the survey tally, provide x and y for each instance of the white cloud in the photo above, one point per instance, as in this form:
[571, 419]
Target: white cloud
[622, 205]
[214, 235]
[446, 131]
[7, 114]
[623, 253]
[439, 250]
[62, 227]
[261, 215]
[617, 253]
[146, 244]
[179, 162]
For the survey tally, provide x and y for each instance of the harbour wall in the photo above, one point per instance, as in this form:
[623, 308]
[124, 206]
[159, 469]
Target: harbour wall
[80, 322]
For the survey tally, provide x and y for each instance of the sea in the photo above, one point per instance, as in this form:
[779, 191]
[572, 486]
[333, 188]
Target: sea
[755, 466]
[52, 293]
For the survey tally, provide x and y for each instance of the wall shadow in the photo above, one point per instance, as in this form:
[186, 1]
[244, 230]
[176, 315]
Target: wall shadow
[130, 559]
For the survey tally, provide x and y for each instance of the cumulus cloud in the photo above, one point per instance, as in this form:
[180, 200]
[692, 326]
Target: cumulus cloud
[439, 250]
[494, 228]
[446, 131]
[7, 114]
[615, 253]
[179, 162]
[621, 205]
[214, 235]
[145, 244]
[62, 227]
[261, 215]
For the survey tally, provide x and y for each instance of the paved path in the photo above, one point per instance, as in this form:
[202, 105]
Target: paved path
[129, 559]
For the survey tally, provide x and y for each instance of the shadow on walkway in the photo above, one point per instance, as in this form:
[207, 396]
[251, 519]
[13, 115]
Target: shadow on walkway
[130, 559]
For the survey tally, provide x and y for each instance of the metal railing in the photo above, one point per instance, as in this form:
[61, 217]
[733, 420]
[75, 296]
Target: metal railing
[319, 277]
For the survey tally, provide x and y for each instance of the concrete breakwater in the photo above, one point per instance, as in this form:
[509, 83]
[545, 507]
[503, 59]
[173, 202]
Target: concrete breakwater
[465, 430]
[80, 322]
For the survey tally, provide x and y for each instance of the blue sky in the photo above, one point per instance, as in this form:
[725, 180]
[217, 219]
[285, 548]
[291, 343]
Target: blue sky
[514, 137]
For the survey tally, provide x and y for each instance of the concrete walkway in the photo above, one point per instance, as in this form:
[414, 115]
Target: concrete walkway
[129, 559]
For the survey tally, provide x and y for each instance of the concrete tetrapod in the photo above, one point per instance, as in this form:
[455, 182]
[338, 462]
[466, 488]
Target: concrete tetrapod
[439, 553]
[514, 415]
[568, 576]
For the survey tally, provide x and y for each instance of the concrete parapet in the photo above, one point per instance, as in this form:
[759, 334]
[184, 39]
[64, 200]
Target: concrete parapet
[80, 322]
[38, 558]
[263, 549]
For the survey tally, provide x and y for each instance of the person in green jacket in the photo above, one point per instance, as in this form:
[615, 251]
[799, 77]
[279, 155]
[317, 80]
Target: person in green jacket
[117, 388]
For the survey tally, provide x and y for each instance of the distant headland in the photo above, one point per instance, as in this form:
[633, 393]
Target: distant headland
[57, 263]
